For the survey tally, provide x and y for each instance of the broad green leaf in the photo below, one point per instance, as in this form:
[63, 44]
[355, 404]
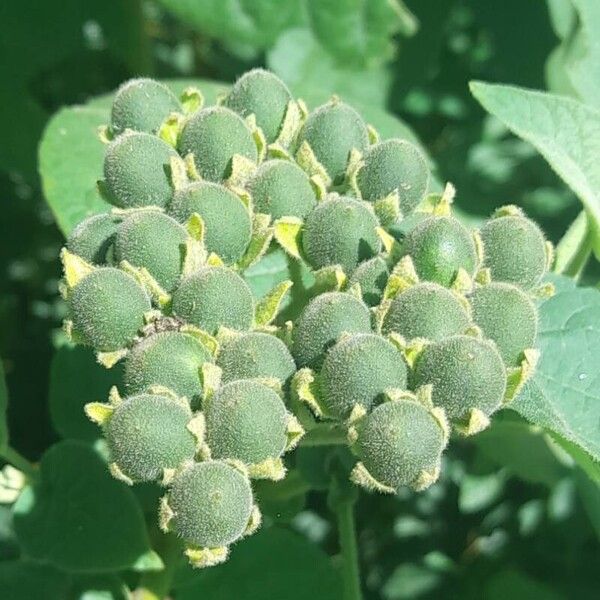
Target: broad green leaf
[21, 580]
[273, 564]
[565, 131]
[3, 408]
[76, 378]
[564, 394]
[78, 518]
[71, 156]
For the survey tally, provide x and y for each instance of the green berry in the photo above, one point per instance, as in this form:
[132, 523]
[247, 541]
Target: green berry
[147, 433]
[107, 309]
[398, 441]
[246, 421]
[228, 226]
[93, 238]
[281, 188]
[172, 359]
[466, 373]
[213, 135]
[394, 165]
[507, 316]
[372, 276]
[514, 250]
[255, 354]
[214, 297]
[142, 105]
[322, 322]
[340, 231]
[137, 171]
[358, 370]
[426, 310]
[155, 241]
[332, 131]
[439, 247]
[264, 95]
[211, 503]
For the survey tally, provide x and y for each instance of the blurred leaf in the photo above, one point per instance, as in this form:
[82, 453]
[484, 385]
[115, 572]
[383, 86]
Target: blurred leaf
[565, 131]
[517, 585]
[99, 587]
[410, 581]
[477, 492]
[589, 492]
[28, 581]
[3, 408]
[564, 394]
[562, 16]
[273, 564]
[76, 378]
[80, 519]
[587, 464]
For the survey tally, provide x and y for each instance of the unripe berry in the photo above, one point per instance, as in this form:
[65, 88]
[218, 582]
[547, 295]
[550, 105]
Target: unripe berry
[358, 370]
[264, 95]
[514, 250]
[394, 165]
[439, 247]
[93, 238]
[466, 373]
[255, 354]
[155, 241]
[137, 171]
[172, 359]
[507, 316]
[142, 105]
[213, 135]
[214, 297]
[332, 131]
[426, 310]
[147, 434]
[227, 222]
[246, 421]
[211, 503]
[322, 322]
[280, 188]
[340, 231]
[372, 276]
[107, 309]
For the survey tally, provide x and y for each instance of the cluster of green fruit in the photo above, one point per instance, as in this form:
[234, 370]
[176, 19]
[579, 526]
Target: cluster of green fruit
[415, 323]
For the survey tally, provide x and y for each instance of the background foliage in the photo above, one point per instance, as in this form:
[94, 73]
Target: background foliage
[517, 511]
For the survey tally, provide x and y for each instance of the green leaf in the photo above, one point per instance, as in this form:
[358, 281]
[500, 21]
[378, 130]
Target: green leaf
[517, 585]
[76, 378]
[71, 156]
[273, 564]
[565, 131]
[3, 408]
[78, 518]
[410, 581]
[23, 580]
[564, 394]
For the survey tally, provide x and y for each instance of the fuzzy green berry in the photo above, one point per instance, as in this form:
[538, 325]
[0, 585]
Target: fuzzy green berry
[466, 373]
[399, 442]
[172, 359]
[214, 297]
[137, 171]
[142, 105]
[358, 370]
[372, 276]
[264, 95]
[93, 238]
[507, 316]
[246, 421]
[155, 241]
[322, 322]
[107, 309]
[255, 354]
[340, 231]
[211, 504]
[426, 310]
[514, 250]
[147, 434]
[213, 135]
[394, 166]
[439, 247]
[332, 131]
[280, 188]
[227, 222]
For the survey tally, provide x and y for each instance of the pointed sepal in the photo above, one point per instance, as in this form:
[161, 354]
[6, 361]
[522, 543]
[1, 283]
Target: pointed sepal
[288, 233]
[268, 307]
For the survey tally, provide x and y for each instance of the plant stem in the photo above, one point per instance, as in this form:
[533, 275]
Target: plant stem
[349, 550]
[19, 461]
[324, 435]
[156, 585]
